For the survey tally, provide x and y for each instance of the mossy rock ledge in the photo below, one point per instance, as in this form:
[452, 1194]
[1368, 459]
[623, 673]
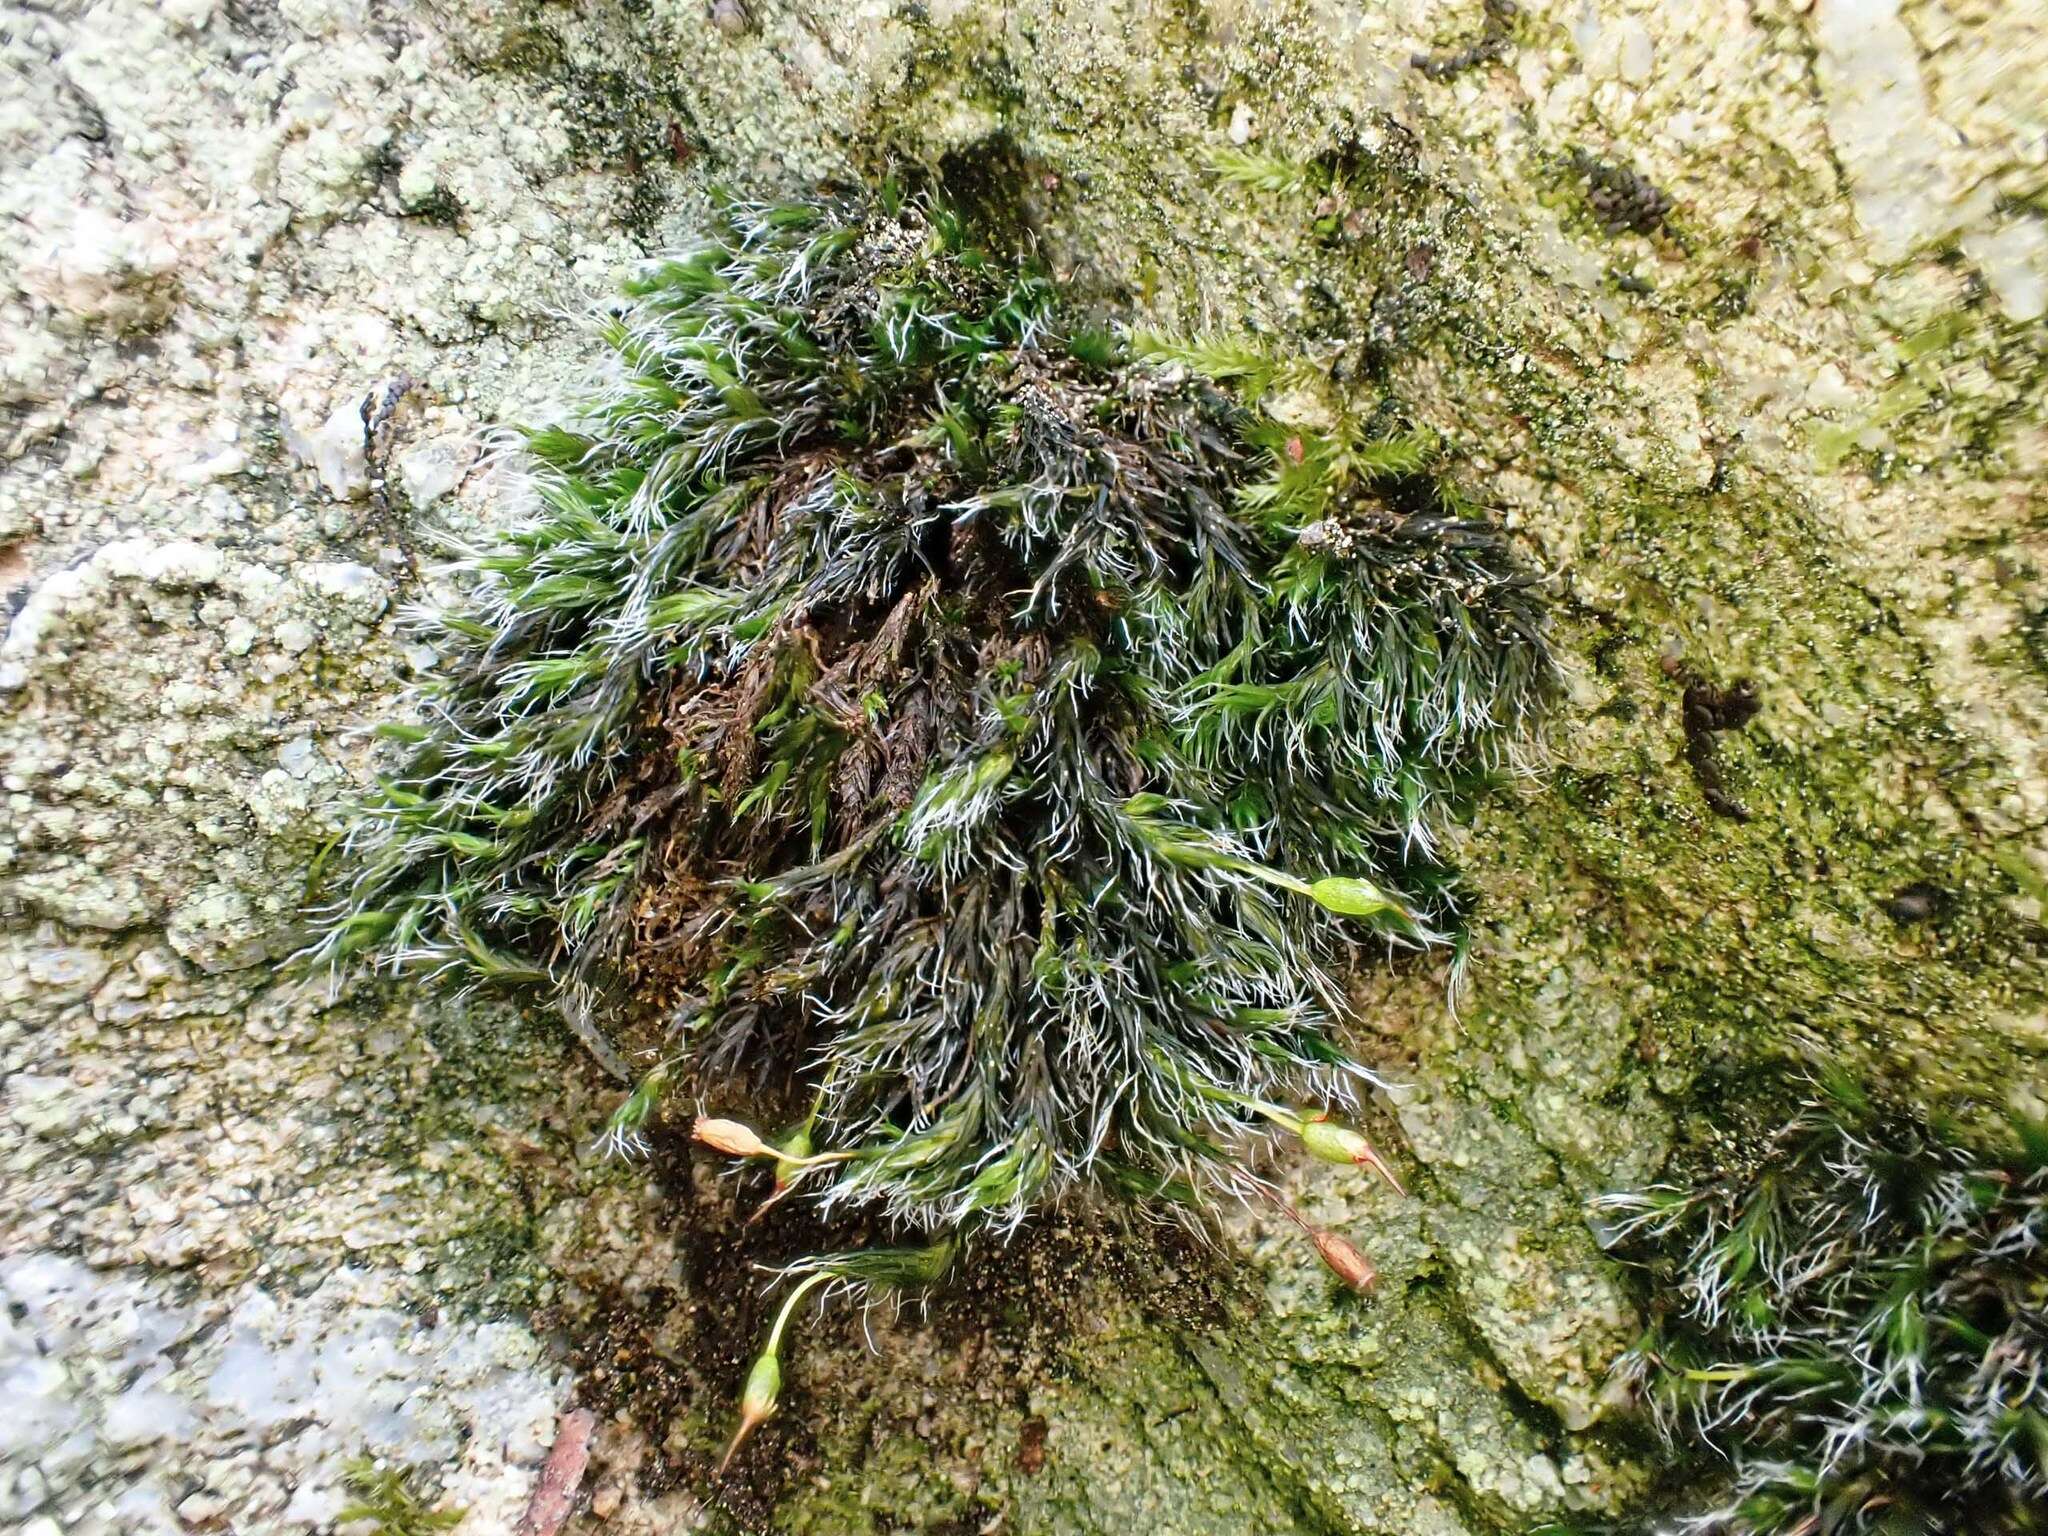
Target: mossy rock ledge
[1731, 318]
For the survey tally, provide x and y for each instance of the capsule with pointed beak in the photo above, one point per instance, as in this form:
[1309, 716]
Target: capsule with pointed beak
[1331, 1141]
[757, 1404]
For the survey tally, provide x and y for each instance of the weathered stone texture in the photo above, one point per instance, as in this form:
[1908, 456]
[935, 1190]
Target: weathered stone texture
[272, 270]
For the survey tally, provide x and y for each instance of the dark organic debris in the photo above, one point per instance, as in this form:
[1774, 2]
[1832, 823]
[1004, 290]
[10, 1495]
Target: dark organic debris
[1708, 711]
[1916, 903]
[1624, 201]
[1495, 38]
[1031, 1437]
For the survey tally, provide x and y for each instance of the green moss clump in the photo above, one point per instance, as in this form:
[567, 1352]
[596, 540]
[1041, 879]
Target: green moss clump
[1007, 734]
[1859, 1325]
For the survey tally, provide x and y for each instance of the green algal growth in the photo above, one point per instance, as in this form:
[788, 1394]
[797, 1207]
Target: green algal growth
[1004, 732]
[1859, 1326]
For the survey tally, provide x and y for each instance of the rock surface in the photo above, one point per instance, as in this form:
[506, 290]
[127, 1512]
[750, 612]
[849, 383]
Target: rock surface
[272, 271]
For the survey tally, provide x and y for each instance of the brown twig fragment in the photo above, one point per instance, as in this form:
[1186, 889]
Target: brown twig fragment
[562, 1474]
